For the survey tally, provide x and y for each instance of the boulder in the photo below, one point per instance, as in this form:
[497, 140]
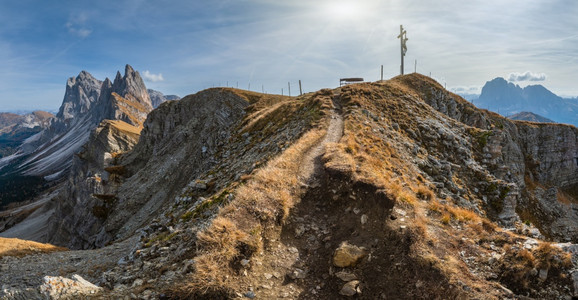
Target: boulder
[351, 288]
[348, 255]
[64, 288]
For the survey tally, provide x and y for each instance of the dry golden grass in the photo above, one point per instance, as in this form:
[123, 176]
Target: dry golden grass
[549, 256]
[19, 248]
[125, 127]
[263, 201]
[129, 107]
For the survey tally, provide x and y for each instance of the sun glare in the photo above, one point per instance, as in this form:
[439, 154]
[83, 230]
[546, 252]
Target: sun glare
[344, 10]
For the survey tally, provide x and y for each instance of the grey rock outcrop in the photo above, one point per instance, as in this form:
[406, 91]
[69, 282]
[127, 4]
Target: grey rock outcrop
[157, 97]
[189, 133]
[76, 148]
[64, 288]
[86, 103]
[534, 166]
[85, 201]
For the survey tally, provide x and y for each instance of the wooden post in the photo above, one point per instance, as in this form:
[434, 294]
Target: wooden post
[281, 91]
[402, 39]
[415, 67]
[382, 72]
[300, 90]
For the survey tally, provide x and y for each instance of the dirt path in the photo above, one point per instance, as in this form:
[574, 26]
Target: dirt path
[311, 166]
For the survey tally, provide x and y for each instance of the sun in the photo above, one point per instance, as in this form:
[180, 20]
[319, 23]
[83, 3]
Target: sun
[343, 10]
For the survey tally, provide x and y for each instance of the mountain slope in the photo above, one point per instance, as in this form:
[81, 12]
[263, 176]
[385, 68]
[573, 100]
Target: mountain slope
[47, 156]
[157, 97]
[395, 189]
[15, 129]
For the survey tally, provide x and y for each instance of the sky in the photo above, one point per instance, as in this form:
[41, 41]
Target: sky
[184, 46]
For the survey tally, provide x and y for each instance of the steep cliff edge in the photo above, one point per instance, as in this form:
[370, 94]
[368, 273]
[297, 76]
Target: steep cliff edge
[85, 200]
[535, 164]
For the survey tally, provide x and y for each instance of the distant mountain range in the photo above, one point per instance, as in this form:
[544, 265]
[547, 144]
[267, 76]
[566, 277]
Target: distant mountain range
[16, 128]
[157, 97]
[528, 116]
[508, 99]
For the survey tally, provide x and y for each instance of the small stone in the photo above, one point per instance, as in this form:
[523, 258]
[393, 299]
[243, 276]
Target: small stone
[363, 219]
[299, 230]
[137, 282]
[349, 289]
[244, 262]
[293, 250]
[345, 276]
[348, 255]
[356, 211]
[298, 274]
[250, 294]
[543, 274]
[268, 276]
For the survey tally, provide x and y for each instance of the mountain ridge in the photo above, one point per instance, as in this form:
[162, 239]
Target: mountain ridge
[507, 98]
[230, 193]
[47, 156]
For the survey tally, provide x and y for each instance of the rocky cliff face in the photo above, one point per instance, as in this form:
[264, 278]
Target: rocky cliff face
[157, 97]
[180, 142]
[535, 165]
[85, 201]
[47, 156]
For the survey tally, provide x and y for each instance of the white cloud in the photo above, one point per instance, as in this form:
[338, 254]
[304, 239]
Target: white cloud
[466, 89]
[76, 25]
[148, 76]
[528, 76]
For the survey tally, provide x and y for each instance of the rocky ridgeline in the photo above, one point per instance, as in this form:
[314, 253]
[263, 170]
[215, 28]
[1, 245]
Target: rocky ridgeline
[87, 197]
[86, 103]
[96, 122]
[157, 97]
[535, 165]
[352, 233]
